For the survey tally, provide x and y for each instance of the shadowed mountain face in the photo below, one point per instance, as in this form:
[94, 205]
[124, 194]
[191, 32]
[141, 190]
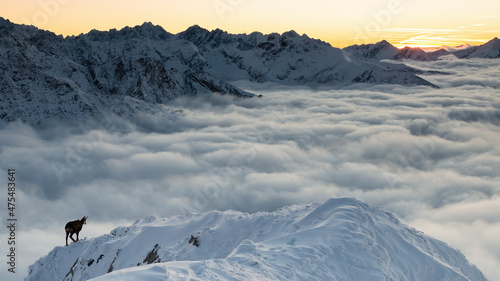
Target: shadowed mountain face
[120, 72]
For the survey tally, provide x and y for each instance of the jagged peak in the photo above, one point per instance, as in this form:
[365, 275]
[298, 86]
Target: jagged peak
[194, 34]
[145, 30]
[218, 30]
[146, 24]
[203, 37]
[493, 41]
[384, 43]
[256, 33]
[6, 24]
[27, 31]
[4, 21]
[195, 29]
[148, 29]
[290, 33]
[200, 36]
[408, 48]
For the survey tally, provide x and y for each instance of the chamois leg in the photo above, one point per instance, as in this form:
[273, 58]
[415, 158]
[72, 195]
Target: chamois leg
[77, 236]
[67, 233]
[71, 236]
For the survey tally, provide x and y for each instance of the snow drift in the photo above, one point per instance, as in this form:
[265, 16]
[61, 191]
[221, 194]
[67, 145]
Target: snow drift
[342, 239]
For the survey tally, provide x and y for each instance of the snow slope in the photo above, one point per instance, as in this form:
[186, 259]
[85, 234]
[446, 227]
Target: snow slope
[342, 239]
[489, 50]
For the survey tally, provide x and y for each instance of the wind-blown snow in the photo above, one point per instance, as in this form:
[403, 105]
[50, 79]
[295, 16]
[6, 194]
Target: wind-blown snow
[342, 239]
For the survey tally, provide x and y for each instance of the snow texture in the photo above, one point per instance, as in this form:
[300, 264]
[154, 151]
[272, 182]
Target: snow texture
[342, 239]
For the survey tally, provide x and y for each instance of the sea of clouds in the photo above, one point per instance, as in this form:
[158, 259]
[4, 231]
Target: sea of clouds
[431, 156]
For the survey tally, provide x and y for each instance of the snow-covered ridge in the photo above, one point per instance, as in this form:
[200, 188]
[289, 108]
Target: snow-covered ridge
[137, 68]
[47, 76]
[342, 239]
[385, 50]
[489, 50]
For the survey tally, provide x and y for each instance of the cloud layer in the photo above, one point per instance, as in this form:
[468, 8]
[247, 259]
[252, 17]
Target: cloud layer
[431, 156]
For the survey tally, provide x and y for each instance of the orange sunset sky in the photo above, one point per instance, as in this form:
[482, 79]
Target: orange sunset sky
[421, 23]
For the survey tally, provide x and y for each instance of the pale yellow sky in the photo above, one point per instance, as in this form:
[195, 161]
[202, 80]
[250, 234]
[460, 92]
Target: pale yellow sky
[341, 23]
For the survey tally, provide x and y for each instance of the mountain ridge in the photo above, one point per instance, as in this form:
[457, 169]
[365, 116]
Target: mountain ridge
[139, 68]
[385, 50]
[341, 239]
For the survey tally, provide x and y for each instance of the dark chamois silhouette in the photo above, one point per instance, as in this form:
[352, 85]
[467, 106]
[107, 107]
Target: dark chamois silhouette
[73, 227]
[195, 241]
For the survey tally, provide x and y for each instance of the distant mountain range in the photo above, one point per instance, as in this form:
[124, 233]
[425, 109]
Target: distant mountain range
[384, 50]
[45, 76]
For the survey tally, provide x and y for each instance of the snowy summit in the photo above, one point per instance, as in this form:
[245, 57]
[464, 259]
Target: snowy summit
[342, 239]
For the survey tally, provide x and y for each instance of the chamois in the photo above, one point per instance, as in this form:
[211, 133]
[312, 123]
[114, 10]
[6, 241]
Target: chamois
[73, 227]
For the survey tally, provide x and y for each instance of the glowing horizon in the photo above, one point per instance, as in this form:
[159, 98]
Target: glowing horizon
[400, 22]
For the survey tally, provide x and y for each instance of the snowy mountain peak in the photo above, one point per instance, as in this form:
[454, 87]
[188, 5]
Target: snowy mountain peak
[489, 50]
[493, 41]
[150, 30]
[384, 42]
[290, 33]
[145, 31]
[193, 31]
[414, 53]
[378, 51]
[204, 38]
[342, 239]
[385, 50]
